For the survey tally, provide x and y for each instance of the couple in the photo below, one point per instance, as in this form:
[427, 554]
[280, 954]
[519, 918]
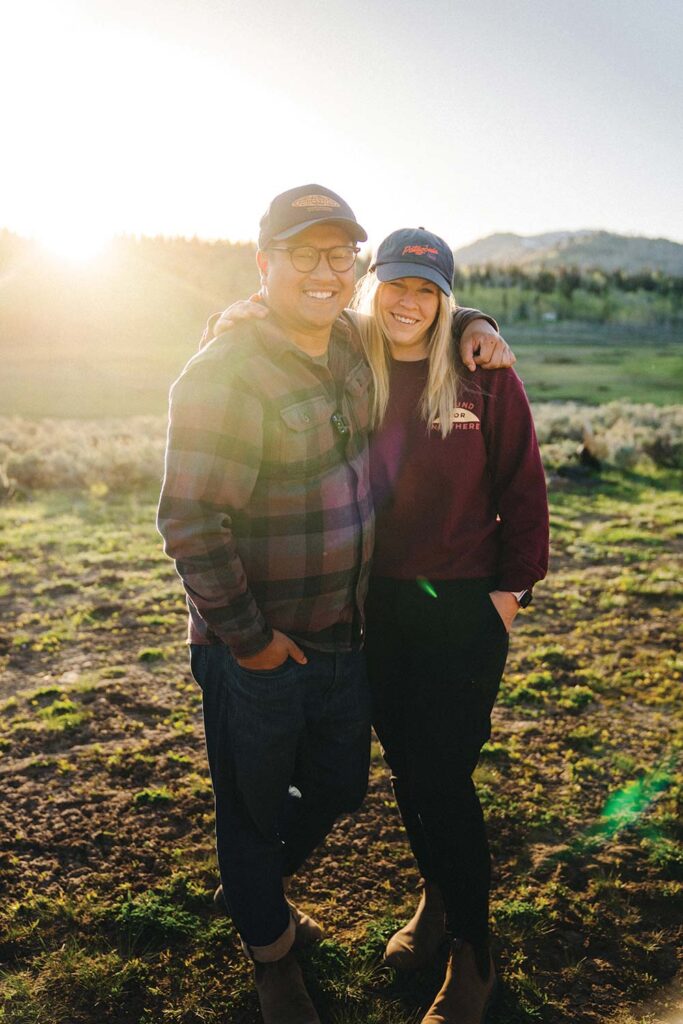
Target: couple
[268, 508]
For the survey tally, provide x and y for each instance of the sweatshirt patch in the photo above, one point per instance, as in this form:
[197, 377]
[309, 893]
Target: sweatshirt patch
[463, 419]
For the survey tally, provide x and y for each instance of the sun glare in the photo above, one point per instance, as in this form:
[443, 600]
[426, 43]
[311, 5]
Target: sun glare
[74, 244]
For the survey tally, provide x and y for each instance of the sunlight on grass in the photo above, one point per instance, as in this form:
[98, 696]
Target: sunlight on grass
[579, 787]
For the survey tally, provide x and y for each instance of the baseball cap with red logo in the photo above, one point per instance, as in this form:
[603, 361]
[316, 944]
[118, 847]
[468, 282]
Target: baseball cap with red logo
[414, 252]
[300, 208]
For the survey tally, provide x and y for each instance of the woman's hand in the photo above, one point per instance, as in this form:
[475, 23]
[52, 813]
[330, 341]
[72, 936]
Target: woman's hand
[482, 345]
[506, 605]
[244, 309]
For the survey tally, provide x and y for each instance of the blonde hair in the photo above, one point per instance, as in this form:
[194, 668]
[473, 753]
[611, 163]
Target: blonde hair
[440, 396]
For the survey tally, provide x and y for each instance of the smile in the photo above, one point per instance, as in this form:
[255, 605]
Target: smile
[320, 296]
[404, 319]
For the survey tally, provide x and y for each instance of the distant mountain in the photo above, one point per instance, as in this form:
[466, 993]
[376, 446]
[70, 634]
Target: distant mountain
[584, 249]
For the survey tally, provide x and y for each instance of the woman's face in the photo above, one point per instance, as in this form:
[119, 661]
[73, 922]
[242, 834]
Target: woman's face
[408, 307]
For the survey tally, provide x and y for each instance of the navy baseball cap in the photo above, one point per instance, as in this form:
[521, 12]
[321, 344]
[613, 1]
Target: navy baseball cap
[300, 208]
[414, 252]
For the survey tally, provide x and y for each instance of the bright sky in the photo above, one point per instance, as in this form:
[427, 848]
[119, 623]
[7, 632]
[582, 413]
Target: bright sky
[187, 116]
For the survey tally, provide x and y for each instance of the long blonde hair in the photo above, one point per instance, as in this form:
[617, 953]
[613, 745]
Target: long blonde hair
[440, 396]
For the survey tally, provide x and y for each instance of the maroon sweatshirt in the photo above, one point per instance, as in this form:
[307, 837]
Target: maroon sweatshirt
[471, 505]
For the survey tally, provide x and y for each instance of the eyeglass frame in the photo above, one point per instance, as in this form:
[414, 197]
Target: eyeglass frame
[291, 249]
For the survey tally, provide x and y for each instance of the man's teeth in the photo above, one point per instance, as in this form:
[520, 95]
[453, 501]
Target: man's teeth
[404, 320]
[319, 295]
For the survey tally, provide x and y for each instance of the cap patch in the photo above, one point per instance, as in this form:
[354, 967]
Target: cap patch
[319, 202]
[419, 250]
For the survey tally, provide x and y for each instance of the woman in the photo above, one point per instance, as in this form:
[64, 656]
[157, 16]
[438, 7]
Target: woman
[462, 530]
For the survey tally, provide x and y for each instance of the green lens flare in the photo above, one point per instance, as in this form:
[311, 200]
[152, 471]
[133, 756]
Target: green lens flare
[623, 807]
[425, 585]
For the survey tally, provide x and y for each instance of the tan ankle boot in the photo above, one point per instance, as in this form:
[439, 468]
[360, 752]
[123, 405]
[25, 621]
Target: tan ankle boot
[464, 997]
[282, 993]
[415, 945]
[307, 928]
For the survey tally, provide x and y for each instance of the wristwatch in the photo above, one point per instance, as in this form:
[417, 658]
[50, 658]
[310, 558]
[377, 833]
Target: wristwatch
[523, 597]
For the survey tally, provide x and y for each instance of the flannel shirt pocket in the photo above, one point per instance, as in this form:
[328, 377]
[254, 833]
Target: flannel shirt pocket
[358, 388]
[306, 435]
[306, 415]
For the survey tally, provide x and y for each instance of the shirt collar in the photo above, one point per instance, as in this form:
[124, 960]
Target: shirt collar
[275, 338]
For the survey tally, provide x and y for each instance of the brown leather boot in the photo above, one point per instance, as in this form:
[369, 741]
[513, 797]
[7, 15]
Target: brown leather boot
[415, 945]
[282, 993]
[465, 996]
[307, 929]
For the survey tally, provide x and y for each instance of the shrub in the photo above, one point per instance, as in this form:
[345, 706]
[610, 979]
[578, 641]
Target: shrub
[98, 457]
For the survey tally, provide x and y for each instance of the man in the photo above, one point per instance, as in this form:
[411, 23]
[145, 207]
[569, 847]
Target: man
[266, 509]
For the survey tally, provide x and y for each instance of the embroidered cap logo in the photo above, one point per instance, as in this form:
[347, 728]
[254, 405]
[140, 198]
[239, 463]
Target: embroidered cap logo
[419, 250]
[316, 202]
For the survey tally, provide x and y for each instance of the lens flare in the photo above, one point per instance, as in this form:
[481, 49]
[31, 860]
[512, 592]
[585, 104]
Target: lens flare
[622, 809]
[425, 585]
[629, 803]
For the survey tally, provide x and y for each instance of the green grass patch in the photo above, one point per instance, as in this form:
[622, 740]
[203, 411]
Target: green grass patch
[62, 715]
[151, 654]
[152, 797]
[71, 985]
[152, 920]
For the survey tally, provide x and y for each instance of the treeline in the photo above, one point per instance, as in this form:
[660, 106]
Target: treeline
[193, 277]
[642, 298]
[566, 280]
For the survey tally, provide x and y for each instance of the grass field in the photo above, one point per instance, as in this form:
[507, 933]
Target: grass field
[107, 864]
[124, 367]
[594, 372]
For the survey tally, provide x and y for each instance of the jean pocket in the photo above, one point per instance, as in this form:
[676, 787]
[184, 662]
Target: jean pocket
[269, 687]
[268, 673]
[198, 660]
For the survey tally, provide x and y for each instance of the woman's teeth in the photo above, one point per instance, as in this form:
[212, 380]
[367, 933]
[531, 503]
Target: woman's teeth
[404, 320]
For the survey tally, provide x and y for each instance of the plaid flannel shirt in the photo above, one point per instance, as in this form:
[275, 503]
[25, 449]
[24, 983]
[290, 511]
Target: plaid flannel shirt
[265, 505]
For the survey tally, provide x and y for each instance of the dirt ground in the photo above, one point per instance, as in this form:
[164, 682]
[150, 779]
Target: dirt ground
[106, 844]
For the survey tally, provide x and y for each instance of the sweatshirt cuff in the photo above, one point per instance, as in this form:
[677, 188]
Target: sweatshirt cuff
[207, 335]
[464, 316]
[514, 583]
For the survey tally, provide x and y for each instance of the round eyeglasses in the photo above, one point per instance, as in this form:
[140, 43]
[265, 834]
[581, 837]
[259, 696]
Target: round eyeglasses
[306, 258]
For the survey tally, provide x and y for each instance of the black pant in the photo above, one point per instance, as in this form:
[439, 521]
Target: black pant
[436, 654]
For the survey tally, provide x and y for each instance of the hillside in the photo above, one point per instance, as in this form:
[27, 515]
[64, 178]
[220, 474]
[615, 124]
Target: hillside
[582, 249]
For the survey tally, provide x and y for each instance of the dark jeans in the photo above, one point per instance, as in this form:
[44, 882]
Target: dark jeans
[434, 665]
[289, 752]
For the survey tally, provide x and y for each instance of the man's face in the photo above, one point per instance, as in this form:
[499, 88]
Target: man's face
[310, 302]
